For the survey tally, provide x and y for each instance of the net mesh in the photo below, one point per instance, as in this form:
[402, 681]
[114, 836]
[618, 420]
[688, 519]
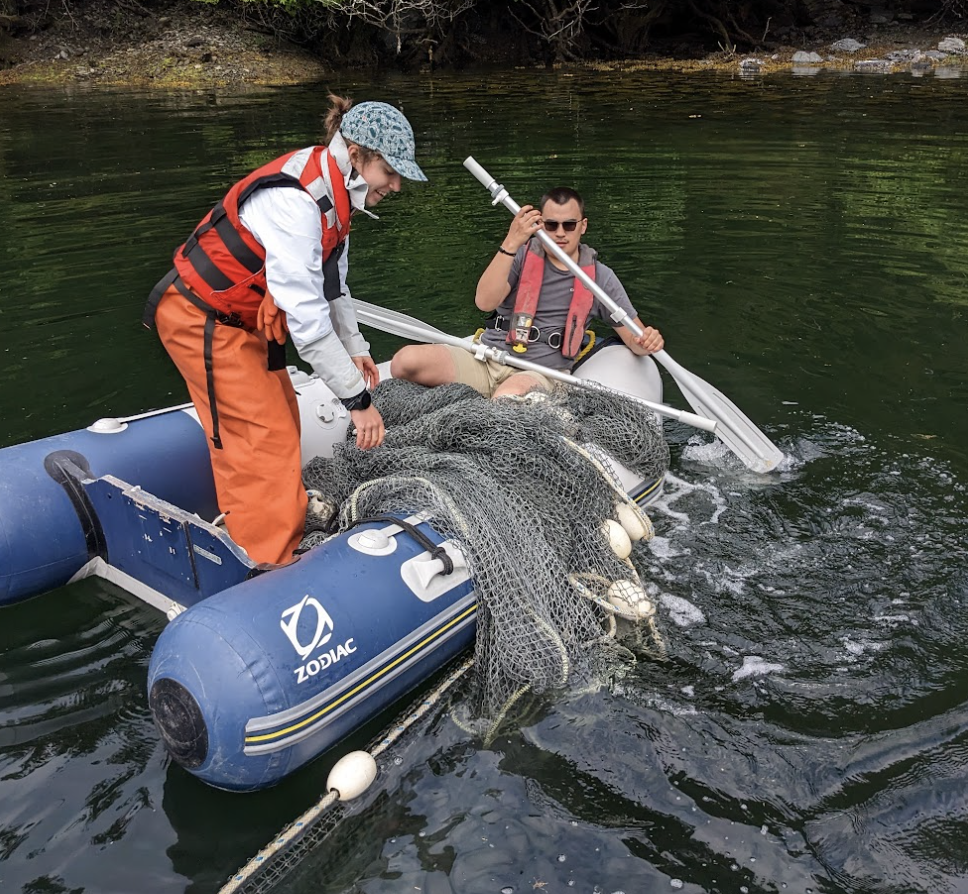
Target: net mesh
[528, 490]
[285, 854]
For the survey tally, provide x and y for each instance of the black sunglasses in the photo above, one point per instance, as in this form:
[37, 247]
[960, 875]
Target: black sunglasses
[569, 225]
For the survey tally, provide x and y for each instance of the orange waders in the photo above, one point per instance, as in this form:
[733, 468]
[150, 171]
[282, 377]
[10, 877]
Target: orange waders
[258, 471]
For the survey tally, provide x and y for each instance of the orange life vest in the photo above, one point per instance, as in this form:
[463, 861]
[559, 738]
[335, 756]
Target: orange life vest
[529, 291]
[224, 264]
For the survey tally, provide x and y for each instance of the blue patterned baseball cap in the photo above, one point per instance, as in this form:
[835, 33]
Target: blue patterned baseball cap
[379, 126]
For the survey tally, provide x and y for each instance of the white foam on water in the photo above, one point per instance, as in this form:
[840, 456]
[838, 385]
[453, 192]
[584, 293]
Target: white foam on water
[681, 611]
[864, 504]
[730, 580]
[674, 709]
[754, 666]
[858, 648]
[710, 453]
[676, 488]
[717, 455]
[896, 620]
[664, 548]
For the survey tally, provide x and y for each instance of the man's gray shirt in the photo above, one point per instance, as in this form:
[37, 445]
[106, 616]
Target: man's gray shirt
[556, 291]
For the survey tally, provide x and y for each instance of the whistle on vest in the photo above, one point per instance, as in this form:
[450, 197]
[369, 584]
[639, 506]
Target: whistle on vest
[519, 332]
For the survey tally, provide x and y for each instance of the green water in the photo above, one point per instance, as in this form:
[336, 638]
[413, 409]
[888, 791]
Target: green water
[801, 244]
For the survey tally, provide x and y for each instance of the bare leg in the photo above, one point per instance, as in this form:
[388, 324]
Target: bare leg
[518, 384]
[424, 364]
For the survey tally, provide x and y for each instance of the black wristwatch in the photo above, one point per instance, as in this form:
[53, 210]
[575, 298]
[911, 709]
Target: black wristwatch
[359, 401]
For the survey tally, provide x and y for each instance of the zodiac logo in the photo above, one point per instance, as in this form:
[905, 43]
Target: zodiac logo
[324, 626]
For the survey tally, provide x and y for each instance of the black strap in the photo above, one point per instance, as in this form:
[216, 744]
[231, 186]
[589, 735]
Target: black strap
[219, 221]
[436, 550]
[205, 267]
[211, 318]
[552, 339]
[204, 227]
[69, 469]
[331, 284]
[269, 181]
[235, 244]
[151, 308]
[231, 238]
[277, 356]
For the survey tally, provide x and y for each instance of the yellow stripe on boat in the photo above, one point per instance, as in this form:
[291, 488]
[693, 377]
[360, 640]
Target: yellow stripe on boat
[369, 681]
[651, 489]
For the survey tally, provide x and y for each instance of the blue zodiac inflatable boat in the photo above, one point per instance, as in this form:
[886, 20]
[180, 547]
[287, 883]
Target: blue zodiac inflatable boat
[258, 671]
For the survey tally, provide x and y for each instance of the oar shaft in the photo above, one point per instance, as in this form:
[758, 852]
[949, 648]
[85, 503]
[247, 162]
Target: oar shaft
[736, 431]
[407, 327]
[500, 196]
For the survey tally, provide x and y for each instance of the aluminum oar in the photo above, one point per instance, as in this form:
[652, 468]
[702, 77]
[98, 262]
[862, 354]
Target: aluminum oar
[396, 323]
[734, 429]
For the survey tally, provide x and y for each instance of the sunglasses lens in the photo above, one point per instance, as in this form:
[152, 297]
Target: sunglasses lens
[568, 225]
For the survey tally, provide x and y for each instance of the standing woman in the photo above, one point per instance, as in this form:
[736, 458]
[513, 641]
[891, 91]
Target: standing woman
[278, 239]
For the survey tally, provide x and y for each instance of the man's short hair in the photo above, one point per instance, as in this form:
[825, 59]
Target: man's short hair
[561, 195]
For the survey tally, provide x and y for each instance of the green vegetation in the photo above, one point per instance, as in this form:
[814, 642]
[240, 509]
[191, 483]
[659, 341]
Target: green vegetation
[454, 33]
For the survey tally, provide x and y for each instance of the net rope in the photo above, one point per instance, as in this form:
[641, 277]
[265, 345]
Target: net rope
[285, 852]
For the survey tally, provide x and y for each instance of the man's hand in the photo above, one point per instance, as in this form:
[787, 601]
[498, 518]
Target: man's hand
[650, 340]
[371, 375]
[369, 427]
[271, 320]
[525, 224]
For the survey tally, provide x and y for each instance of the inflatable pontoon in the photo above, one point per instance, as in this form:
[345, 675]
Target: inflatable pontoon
[259, 670]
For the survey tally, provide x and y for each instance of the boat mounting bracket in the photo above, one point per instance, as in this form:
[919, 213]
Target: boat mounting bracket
[162, 547]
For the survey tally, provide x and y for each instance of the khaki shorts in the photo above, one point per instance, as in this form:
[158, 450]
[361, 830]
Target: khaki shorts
[487, 375]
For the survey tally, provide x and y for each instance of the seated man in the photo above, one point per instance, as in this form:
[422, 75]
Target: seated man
[542, 308]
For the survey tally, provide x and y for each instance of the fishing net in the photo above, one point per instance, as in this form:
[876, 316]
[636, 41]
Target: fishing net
[528, 489]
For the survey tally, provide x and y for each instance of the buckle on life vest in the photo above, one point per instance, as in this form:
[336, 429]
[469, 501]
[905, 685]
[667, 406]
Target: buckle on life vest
[232, 319]
[503, 324]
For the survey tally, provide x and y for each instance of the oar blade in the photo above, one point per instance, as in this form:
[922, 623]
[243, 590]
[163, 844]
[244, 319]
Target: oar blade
[733, 427]
[396, 323]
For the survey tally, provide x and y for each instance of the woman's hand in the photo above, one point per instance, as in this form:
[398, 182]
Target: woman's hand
[369, 427]
[371, 375]
[271, 320]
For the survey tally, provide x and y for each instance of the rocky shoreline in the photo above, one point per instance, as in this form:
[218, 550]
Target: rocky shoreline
[209, 47]
[204, 47]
